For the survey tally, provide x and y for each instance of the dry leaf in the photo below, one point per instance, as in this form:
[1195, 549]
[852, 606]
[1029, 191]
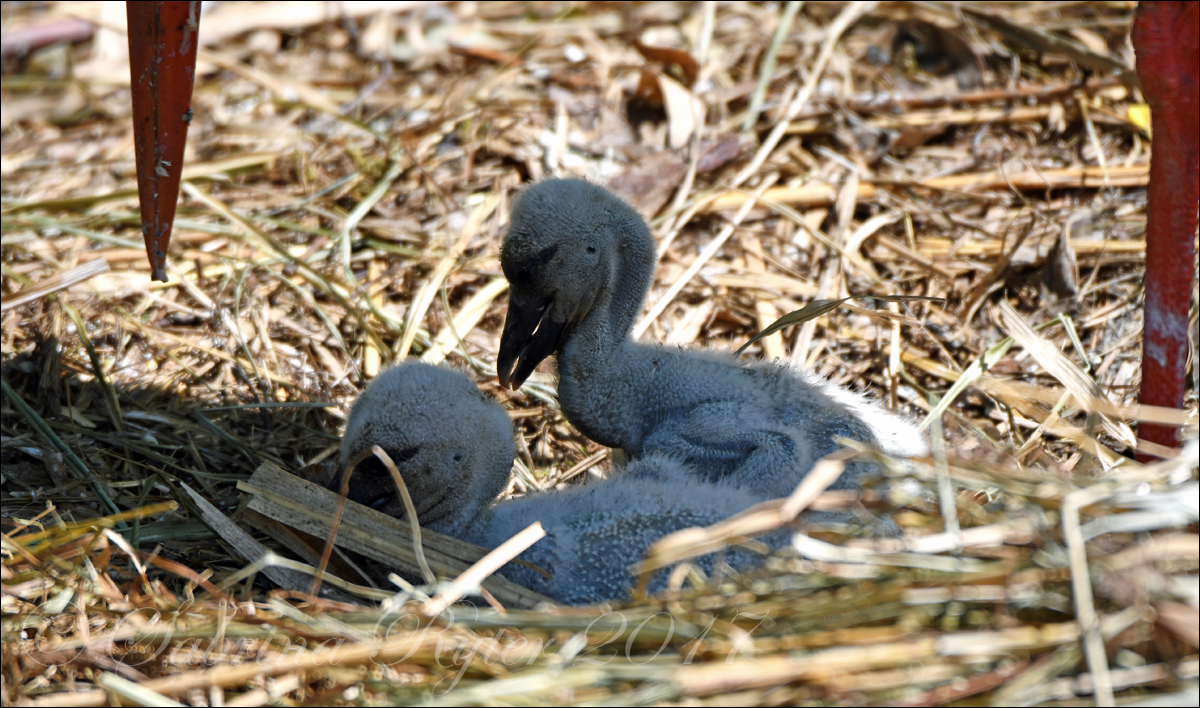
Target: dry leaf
[684, 111]
[1062, 270]
[1182, 620]
[715, 155]
[648, 183]
[687, 68]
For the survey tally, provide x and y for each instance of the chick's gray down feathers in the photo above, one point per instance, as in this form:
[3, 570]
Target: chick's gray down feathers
[453, 446]
[580, 263]
[434, 420]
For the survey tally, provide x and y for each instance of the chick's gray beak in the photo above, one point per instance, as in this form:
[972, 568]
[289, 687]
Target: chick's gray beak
[530, 335]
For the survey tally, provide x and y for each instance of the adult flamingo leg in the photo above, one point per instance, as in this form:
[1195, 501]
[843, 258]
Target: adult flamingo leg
[1165, 39]
[162, 67]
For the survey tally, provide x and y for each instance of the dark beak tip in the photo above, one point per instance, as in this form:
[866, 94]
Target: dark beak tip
[518, 382]
[506, 362]
[530, 335]
[509, 377]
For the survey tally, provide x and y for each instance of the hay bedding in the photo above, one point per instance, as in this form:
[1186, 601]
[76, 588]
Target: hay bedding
[345, 209]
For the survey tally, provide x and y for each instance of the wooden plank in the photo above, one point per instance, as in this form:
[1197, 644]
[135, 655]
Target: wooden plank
[308, 507]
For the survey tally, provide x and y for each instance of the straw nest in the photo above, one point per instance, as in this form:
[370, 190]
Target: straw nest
[348, 178]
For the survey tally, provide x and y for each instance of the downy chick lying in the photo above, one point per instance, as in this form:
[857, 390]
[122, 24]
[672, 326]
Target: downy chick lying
[453, 446]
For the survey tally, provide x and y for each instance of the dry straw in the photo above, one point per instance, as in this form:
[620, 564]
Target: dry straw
[165, 445]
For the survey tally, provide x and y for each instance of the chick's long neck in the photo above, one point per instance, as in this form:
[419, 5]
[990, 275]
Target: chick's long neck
[598, 380]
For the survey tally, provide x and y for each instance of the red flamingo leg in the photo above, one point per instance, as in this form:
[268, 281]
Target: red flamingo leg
[1165, 39]
[162, 67]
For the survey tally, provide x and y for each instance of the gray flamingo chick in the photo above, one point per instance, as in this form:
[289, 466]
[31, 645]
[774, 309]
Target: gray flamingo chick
[453, 445]
[580, 262]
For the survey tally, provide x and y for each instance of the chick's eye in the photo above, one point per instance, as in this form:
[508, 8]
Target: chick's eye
[591, 249]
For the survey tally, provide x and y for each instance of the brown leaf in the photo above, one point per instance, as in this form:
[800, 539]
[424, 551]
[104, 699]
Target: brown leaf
[648, 91]
[687, 67]
[714, 155]
[1183, 621]
[1008, 367]
[1062, 270]
[648, 183]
